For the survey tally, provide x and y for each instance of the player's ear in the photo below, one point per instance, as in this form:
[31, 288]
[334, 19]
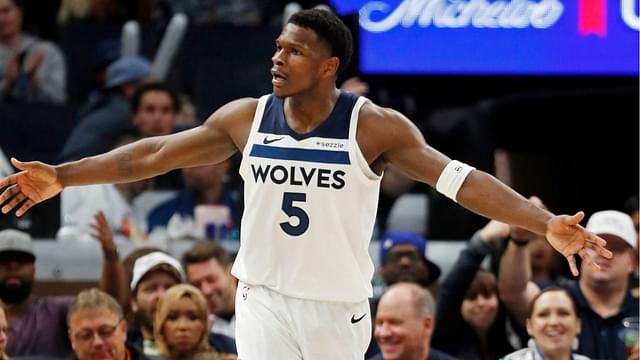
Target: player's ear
[331, 66]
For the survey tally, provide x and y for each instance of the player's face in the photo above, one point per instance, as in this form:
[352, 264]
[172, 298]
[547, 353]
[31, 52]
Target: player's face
[301, 59]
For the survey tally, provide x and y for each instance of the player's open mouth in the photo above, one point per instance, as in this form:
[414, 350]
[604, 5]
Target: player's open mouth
[277, 77]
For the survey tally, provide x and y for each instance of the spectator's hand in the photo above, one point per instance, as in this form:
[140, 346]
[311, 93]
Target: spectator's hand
[356, 86]
[35, 60]
[11, 71]
[102, 232]
[35, 183]
[635, 353]
[566, 235]
[521, 235]
[494, 231]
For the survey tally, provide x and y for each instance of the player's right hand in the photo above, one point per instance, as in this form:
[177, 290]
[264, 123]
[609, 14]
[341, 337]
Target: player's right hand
[35, 183]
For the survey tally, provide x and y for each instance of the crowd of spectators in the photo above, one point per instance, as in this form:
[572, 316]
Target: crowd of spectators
[507, 294]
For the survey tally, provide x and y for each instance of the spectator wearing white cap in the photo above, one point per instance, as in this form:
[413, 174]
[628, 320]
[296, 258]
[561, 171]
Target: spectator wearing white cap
[38, 324]
[602, 297]
[105, 117]
[153, 274]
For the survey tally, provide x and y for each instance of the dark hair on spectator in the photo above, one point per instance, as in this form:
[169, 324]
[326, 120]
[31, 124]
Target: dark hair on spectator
[330, 28]
[137, 96]
[205, 250]
[484, 283]
[18, 3]
[93, 299]
[548, 290]
[631, 205]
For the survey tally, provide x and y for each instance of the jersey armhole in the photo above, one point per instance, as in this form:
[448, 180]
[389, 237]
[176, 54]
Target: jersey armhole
[356, 152]
[255, 125]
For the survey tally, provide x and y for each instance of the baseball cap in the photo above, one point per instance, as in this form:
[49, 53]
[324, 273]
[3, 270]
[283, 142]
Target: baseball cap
[126, 69]
[153, 261]
[616, 223]
[12, 240]
[106, 52]
[393, 238]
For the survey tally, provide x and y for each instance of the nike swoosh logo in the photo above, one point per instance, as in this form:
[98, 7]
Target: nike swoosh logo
[354, 320]
[267, 141]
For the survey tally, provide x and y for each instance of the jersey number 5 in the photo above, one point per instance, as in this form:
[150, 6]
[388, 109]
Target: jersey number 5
[293, 211]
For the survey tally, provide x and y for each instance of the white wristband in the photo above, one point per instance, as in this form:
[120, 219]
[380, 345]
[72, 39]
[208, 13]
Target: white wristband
[452, 178]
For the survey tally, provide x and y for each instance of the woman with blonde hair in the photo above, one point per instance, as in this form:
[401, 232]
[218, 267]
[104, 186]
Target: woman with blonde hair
[4, 331]
[181, 327]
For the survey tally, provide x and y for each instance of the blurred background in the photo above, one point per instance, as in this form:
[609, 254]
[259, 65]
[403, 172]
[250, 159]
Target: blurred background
[542, 94]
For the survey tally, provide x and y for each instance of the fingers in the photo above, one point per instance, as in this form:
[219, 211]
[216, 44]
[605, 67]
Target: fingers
[102, 231]
[8, 181]
[25, 206]
[598, 244]
[6, 195]
[595, 239]
[588, 260]
[572, 265]
[101, 218]
[574, 219]
[18, 164]
[15, 196]
[602, 251]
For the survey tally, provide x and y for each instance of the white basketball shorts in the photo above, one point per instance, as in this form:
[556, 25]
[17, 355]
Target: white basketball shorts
[272, 326]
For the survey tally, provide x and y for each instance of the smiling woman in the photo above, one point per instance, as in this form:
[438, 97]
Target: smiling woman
[553, 325]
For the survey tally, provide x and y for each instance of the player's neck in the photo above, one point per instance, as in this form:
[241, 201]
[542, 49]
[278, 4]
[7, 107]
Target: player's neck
[304, 112]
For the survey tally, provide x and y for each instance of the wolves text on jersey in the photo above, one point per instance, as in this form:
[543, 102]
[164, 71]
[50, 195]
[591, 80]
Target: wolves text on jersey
[300, 176]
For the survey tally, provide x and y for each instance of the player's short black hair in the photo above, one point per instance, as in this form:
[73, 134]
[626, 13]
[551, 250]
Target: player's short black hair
[330, 28]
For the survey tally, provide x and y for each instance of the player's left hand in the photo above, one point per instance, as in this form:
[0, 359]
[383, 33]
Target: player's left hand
[569, 238]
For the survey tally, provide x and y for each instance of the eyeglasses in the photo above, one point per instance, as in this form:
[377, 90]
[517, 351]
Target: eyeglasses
[395, 256]
[104, 332]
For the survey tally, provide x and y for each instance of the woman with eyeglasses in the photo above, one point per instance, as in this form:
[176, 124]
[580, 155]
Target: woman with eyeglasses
[553, 325]
[181, 326]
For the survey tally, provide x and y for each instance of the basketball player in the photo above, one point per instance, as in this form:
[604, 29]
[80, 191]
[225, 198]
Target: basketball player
[312, 161]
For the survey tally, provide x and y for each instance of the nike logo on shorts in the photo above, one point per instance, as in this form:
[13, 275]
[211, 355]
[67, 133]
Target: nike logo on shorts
[355, 320]
[267, 141]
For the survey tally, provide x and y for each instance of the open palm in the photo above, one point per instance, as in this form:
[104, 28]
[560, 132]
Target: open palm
[566, 235]
[35, 183]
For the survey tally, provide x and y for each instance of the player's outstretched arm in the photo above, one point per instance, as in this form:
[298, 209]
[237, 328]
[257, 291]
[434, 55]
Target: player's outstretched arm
[402, 144]
[212, 142]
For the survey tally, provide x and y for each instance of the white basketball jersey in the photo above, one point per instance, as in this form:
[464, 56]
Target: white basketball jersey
[310, 206]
